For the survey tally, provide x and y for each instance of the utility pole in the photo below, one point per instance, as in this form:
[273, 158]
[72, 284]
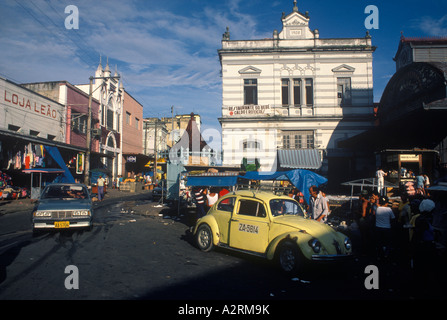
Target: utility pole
[145, 136]
[172, 126]
[89, 128]
[155, 149]
[89, 135]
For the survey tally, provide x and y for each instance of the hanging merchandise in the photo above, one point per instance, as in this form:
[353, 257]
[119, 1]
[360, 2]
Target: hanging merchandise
[38, 151]
[27, 162]
[18, 161]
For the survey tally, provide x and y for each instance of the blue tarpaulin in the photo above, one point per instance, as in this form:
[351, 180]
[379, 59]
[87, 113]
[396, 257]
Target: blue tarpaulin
[301, 179]
[66, 176]
[95, 173]
[211, 181]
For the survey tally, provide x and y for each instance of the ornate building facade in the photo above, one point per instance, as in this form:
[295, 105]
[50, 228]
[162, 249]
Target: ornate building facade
[109, 91]
[288, 100]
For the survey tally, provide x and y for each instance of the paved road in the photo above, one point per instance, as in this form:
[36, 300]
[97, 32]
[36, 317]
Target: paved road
[136, 251]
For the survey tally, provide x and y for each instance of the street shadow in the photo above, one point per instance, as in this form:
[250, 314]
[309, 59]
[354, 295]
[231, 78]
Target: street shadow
[8, 257]
[254, 278]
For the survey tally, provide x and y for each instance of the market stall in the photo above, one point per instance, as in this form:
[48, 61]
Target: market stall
[36, 190]
[365, 183]
[299, 178]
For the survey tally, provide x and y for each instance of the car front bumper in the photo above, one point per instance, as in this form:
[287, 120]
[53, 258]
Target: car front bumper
[69, 223]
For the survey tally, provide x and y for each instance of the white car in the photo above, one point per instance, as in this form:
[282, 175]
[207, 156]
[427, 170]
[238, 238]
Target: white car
[63, 206]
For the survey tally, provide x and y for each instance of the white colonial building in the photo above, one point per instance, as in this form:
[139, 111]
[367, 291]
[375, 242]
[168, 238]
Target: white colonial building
[109, 91]
[287, 101]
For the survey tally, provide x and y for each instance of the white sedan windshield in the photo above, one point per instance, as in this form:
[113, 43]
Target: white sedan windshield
[64, 192]
[282, 206]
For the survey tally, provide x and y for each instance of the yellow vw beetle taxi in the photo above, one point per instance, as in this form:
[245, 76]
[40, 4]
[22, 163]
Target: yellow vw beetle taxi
[271, 226]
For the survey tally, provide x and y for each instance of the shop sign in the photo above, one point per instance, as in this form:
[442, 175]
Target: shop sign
[247, 110]
[131, 159]
[409, 157]
[31, 103]
[80, 163]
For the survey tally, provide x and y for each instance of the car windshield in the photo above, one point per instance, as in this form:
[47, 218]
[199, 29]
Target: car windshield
[283, 206]
[64, 192]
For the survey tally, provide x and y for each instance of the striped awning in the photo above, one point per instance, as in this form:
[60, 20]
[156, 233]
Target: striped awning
[299, 159]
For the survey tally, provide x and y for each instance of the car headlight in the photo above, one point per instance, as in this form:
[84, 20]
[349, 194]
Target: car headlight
[315, 245]
[347, 243]
[42, 214]
[81, 213]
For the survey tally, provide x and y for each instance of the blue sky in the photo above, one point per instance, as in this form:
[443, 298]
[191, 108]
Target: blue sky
[166, 51]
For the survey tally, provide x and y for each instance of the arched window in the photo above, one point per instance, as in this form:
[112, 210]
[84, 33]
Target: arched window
[110, 114]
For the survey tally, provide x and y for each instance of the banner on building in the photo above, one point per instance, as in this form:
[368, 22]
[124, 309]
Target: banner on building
[80, 163]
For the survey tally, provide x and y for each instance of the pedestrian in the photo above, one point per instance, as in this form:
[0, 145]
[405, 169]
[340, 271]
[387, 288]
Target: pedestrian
[420, 184]
[318, 205]
[427, 182]
[363, 205]
[384, 216]
[200, 202]
[404, 209]
[403, 225]
[100, 184]
[118, 181]
[423, 245]
[361, 218]
[211, 197]
[367, 221]
[380, 175]
[297, 195]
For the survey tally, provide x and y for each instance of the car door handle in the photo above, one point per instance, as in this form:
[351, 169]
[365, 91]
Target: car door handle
[234, 220]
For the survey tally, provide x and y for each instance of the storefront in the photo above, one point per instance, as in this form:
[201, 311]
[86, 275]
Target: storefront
[19, 154]
[135, 164]
[410, 123]
[32, 135]
[403, 165]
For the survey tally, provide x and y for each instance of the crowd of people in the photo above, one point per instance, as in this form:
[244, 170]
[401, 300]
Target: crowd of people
[405, 229]
[383, 228]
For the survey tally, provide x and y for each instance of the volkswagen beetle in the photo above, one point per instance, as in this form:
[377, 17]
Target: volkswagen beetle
[270, 226]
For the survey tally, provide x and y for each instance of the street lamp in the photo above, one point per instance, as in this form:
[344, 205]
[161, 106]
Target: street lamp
[89, 128]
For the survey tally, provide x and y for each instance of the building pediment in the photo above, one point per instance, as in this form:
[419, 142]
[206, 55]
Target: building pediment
[250, 70]
[295, 19]
[295, 26]
[344, 68]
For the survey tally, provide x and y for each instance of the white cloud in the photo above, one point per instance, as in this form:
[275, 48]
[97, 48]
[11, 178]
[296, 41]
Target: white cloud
[167, 57]
[432, 26]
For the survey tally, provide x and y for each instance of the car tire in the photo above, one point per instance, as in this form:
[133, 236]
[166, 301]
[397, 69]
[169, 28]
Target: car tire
[289, 258]
[204, 238]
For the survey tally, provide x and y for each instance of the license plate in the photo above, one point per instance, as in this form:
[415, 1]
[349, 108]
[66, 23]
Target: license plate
[62, 224]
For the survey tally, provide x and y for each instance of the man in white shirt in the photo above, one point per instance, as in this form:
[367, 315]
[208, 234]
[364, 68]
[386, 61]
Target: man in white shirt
[318, 206]
[384, 216]
[100, 184]
[380, 175]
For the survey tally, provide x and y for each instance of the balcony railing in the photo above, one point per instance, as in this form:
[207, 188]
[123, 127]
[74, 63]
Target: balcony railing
[186, 156]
